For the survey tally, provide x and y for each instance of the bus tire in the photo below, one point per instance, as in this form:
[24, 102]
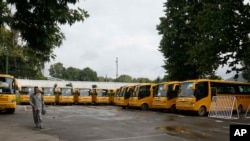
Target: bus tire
[144, 106]
[240, 108]
[11, 111]
[173, 109]
[202, 111]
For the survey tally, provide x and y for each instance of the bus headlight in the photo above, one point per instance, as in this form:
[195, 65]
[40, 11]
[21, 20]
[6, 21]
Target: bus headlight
[192, 104]
[12, 101]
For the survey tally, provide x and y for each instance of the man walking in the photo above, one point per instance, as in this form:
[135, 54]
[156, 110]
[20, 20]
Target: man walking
[36, 101]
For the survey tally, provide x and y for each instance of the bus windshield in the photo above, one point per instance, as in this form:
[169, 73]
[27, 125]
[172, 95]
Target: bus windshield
[48, 91]
[27, 90]
[6, 85]
[135, 93]
[66, 91]
[84, 92]
[142, 91]
[160, 92]
[186, 90]
[102, 93]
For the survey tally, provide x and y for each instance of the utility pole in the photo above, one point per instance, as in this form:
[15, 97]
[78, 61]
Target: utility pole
[116, 61]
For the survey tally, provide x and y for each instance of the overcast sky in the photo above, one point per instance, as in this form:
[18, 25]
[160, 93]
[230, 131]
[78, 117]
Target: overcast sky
[123, 29]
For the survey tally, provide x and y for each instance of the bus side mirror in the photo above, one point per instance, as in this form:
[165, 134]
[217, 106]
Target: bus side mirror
[175, 87]
[193, 86]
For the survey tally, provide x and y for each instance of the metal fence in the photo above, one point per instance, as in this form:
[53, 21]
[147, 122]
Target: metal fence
[223, 106]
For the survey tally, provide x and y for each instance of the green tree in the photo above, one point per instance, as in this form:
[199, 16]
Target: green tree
[72, 74]
[246, 65]
[37, 24]
[177, 39]
[87, 74]
[143, 80]
[57, 70]
[198, 36]
[123, 78]
[104, 79]
[38, 20]
[224, 26]
[4, 13]
[16, 59]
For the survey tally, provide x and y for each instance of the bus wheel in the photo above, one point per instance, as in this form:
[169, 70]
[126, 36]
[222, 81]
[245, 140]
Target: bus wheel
[202, 111]
[240, 109]
[144, 106]
[172, 109]
[11, 111]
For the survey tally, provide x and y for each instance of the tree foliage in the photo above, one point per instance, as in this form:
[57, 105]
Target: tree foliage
[198, 36]
[57, 70]
[124, 78]
[38, 23]
[34, 33]
[18, 60]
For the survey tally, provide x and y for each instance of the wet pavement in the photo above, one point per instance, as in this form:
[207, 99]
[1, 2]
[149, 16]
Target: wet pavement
[111, 123]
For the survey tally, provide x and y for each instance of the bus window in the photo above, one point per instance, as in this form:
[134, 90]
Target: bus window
[84, 92]
[201, 90]
[244, 89]
[213, 92]
[66, 92]
[144, 91]
[171, 92]
[102, 92]
[159, 91]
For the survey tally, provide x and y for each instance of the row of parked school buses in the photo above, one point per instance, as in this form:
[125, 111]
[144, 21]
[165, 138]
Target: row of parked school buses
[190, 95]
[69, 95]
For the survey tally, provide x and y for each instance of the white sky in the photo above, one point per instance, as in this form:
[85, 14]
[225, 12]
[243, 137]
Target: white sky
[125, 29]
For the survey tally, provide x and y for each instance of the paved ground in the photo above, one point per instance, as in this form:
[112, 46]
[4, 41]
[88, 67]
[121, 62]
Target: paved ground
[111, 123]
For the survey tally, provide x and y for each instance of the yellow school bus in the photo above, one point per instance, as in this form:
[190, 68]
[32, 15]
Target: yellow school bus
[123, 98]
[142, 96]
[49, 96]
[83, 96]
[8, 89]
[25, 92]
[196, 95]
[166, 95]
[102, 96]
[64, 95]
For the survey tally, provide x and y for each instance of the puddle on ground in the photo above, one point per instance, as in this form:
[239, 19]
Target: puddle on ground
[177, 130]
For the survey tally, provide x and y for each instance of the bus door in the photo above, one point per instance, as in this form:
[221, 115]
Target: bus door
[142, 96]
[124, 98]
[172, 93]
[160, 96]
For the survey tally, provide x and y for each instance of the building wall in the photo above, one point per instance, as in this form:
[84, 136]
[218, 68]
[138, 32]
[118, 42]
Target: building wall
[76, 84]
